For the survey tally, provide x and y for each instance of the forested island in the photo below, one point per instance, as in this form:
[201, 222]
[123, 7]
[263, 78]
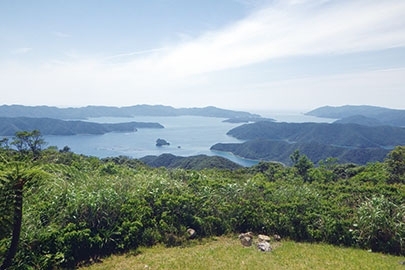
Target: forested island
[69, 121]
[109, 111]
[360, 134]
[49, 126]
[362, 114]
[273, 141]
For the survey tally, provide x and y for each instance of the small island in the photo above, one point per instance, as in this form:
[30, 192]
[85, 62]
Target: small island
[161, 142]
[248, 119]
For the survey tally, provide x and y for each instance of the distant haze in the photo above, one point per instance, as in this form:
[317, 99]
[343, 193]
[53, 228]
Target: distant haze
[264, 55]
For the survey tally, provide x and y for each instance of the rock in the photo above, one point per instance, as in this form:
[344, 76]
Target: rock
[246, 239]
[277, 237]
[191, 233]
[264, 246]
[263, 238]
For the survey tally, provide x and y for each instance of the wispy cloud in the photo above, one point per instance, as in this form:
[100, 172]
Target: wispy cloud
[291, 28]
[282, 28]
[135, 53]
[198, 70]
[23, 50]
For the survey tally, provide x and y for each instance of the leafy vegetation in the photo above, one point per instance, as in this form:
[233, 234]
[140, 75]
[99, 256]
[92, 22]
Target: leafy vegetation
[197, 162]
[78, 209]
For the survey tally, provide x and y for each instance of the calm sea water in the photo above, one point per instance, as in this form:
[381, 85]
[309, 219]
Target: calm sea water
[187, 135]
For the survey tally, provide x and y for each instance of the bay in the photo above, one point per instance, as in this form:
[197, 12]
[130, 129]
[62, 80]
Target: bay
[187, 135]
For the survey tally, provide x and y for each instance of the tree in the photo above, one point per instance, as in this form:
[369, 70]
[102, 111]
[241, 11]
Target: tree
[396, 164]
[4, 143]
[13, 176]
[325, 171]
[65, 149]
[17, 187]
[29, 141]
[302, 163]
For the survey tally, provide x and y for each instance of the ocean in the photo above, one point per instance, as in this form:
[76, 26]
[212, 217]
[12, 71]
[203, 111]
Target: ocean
[187, 135]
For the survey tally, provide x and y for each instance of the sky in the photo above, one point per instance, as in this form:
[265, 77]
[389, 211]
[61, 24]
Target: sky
[257, 55]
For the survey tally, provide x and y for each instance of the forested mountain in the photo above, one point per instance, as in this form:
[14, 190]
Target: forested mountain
[372, 115]
[280, 151]
[361, 120]
[129, 111]
[347, 142]
[343, 135]
[198, 162]
[48, 126]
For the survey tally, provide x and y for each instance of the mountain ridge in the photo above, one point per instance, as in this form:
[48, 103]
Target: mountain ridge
[373, 115]
[275, 141]
[49, 126]
[128, 111]
[280, 151]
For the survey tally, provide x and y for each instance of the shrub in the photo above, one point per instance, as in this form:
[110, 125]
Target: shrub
[381, 225]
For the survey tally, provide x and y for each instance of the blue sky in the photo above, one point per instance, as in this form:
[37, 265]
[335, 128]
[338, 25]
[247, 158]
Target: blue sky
[238, 54]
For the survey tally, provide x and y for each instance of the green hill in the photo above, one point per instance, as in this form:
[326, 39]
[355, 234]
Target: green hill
[384, 116]
[343, 135]
[48, 126]
[280, 151]
[273, 141]
[198, 162]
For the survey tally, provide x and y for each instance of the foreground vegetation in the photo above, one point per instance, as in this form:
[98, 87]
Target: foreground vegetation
[75, 209]
[227, 253]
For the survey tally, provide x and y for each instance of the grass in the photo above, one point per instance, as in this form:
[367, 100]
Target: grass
[228, 253]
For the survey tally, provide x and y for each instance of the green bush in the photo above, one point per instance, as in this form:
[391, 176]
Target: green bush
[381, 225]
[89, 208]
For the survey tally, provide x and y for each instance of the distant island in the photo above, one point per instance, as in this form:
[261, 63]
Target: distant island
[361, 134]
[250, 119]
[363, 115]
[59, 121]
[48, 126]
[106, 111]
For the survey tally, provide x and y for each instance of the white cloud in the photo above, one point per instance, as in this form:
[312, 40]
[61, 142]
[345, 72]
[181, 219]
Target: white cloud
[293, 29]
[183, 73]
[135, 53]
